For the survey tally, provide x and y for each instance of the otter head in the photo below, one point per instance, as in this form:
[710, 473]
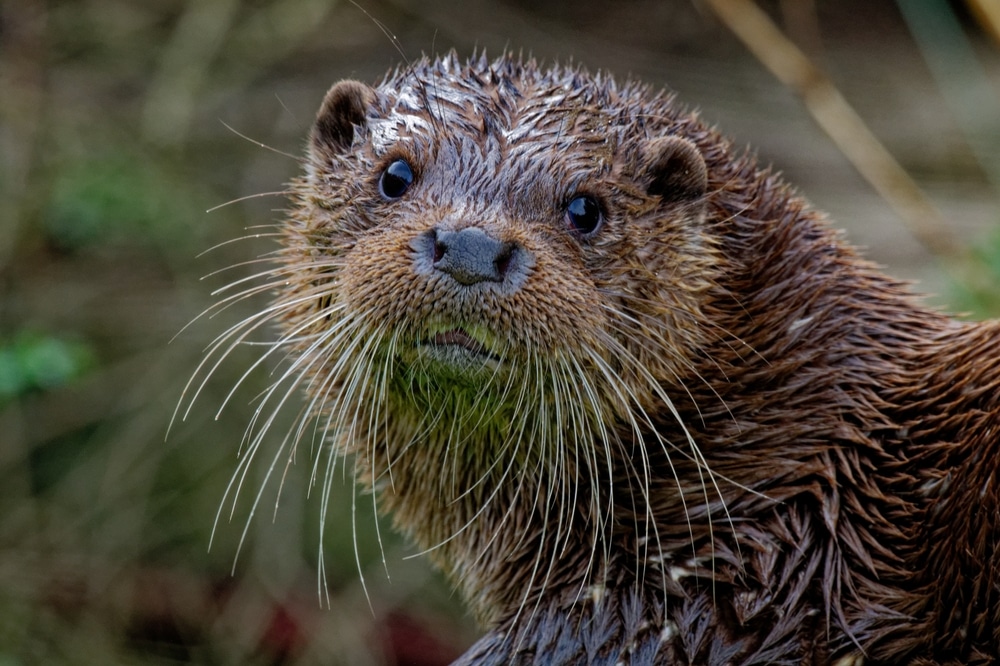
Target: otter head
[497, 271]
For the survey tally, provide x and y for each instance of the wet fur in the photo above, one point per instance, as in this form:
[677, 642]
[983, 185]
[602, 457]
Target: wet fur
[715, 434]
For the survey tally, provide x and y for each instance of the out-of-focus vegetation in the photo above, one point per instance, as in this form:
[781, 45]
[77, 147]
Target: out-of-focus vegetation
[112, 151]
[113, 145]
[975, 291]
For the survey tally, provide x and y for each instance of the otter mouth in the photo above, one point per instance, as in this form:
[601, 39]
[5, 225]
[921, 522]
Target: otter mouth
[460, 338]
[458, 347]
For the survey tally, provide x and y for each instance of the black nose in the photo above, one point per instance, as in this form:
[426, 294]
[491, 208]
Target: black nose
[471, 255]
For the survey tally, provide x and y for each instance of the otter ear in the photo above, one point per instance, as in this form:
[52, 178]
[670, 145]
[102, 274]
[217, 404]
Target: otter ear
[345, 107]
[675, 169]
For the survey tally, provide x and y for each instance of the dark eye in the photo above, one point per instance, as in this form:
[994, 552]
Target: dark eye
[395, 180]
[584, 214]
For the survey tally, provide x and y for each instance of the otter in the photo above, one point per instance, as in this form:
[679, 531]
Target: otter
[637, 399]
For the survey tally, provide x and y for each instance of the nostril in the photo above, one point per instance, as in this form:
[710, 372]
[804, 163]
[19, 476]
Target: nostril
[439, 250]
[504, 257]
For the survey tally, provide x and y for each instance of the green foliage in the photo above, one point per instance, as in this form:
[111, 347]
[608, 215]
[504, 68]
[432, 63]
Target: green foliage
[104, 199]
[36, 362]
[977, 291]
[114, 196]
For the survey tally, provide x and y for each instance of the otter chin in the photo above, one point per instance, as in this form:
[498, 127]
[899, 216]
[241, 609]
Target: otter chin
[631, 393]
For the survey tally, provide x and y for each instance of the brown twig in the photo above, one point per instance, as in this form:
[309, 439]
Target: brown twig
[839, 120]
[987, 13]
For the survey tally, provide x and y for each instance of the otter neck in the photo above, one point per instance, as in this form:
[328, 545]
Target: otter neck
[497, 505]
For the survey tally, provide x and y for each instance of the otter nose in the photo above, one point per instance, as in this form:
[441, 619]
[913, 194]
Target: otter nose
[471, 255]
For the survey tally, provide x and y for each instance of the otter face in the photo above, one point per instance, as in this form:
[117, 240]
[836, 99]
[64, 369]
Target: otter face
[493, 266]
[479, 222]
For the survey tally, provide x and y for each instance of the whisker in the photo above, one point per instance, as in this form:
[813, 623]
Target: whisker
[229, 127]
[248, 197]
[277, 233]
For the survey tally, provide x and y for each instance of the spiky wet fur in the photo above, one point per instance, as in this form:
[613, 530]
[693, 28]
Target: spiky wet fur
[712, 434]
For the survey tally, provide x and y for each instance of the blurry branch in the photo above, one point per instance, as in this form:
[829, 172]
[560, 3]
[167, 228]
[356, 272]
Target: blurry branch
[270, 33]
[22, 80]
[987, 12]
[839, 120]
[961, 77]
[802, 25]
[184, 66]
[254, 38]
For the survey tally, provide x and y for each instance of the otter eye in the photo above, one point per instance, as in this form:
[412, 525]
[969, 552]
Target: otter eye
[584, 214]
[395, 180]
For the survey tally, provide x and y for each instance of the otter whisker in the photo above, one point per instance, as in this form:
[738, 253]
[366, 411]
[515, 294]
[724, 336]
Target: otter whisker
[326, 347]
[518, 438]
[627, 398]
[276, 272]
[259, 144]
[234, 336]
[657, 390]
[565, 475]
[354, 538]
[501, 522]
[372, 433]
[248, 197]
[254, 441]
[380, 396]
[270, 313]
[277, 232]
[351, 388]
[247, 325]
[223, 304]
[536, 566]
[602, 519]
[583, 438]
[642, 339]
[702, 466]
[283, 343]
[500, 457]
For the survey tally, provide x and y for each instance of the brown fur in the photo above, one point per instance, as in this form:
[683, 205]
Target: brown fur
[706, 433]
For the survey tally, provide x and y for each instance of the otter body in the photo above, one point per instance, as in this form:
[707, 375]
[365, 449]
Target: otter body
[632, 394]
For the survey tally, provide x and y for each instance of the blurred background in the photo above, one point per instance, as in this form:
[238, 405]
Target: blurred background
[136, 138]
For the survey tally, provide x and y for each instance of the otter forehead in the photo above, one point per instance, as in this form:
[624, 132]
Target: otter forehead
[501, 99]
[513, 131]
